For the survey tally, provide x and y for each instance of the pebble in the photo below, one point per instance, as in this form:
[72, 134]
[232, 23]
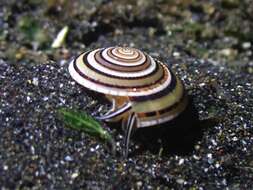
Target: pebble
[210, 159]
[139, 183]
[180, 181]
[5, 167]
[35, 81]
[246, 45]
[176, 54]
[68, 158]
[181, 161]
[228, 52]
[75, 175]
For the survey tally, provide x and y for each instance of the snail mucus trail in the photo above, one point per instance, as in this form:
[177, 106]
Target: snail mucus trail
[143, 91]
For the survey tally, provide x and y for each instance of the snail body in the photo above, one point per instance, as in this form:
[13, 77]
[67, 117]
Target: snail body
[144, 92]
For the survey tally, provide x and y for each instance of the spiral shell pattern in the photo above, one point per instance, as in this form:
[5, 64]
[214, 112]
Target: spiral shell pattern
[155, 93]
[120, 71]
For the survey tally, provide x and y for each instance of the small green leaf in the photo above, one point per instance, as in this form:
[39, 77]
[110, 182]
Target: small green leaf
[83, 122]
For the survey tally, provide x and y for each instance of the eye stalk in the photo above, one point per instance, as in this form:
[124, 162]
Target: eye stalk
[112, 114]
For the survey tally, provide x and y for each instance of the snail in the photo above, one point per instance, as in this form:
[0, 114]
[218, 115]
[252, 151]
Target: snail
[143, 91]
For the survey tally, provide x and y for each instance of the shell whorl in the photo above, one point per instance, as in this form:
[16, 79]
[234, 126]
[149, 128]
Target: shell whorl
[121, 71]
[151, 89]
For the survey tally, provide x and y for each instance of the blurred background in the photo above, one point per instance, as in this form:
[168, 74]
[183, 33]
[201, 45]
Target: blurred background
[218, 30]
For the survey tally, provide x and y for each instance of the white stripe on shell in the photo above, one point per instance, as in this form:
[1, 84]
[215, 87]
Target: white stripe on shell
[107, 57]
[157, 121]
[111, 90]
[99, 67]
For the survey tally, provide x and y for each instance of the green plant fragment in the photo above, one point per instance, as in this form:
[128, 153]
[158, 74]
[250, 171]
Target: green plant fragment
[84, 122]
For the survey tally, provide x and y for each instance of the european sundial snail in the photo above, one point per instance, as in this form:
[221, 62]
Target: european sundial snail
[143, 91]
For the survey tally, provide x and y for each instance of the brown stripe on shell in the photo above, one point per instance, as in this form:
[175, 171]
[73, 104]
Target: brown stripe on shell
[122, 68]
[124, 51]
[175, 111]
[128, 60]
[118, 77]
[160, 119]
[135, 54]
[163, 111]
[160, 81]
[155, 83]
[159, 94]
[123, 61]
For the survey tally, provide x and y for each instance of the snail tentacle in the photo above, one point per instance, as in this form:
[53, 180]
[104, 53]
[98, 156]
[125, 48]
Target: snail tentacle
[129, 125]
[126, 107]
[113, 106]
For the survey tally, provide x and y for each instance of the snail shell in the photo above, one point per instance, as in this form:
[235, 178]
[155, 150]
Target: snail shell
[134, 82]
